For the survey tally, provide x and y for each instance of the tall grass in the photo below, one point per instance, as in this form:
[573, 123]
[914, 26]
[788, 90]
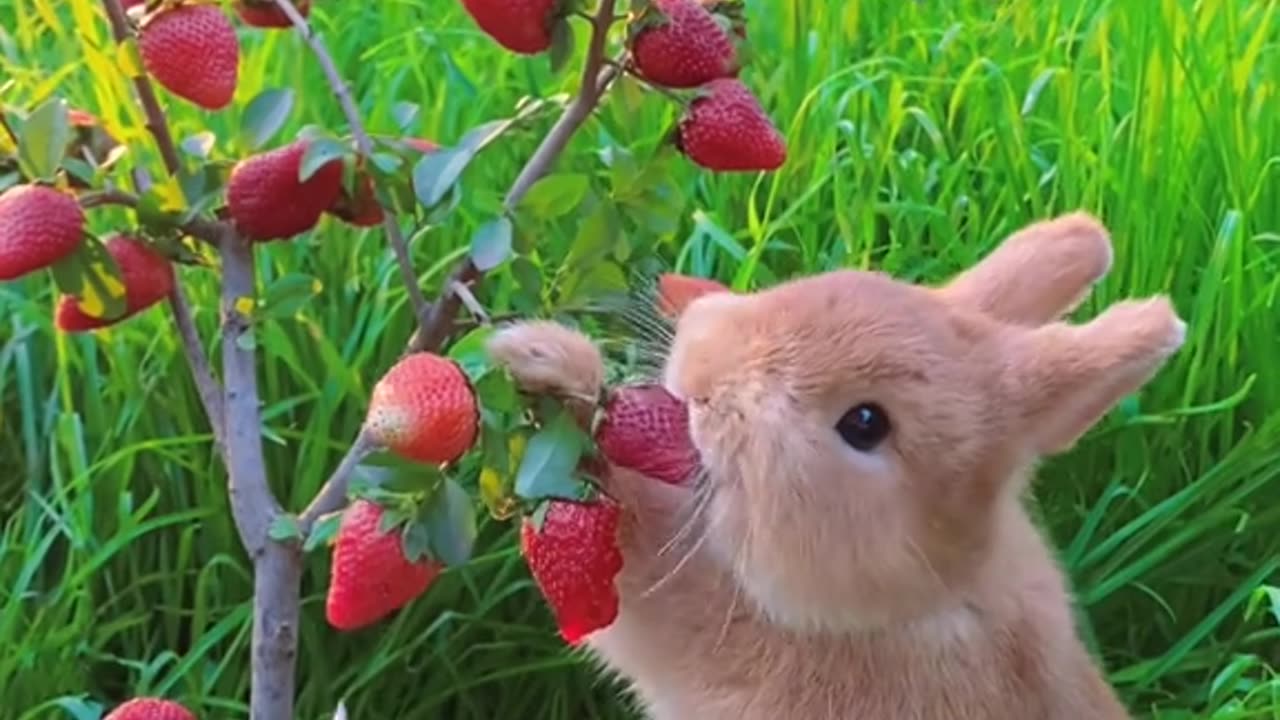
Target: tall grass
[919, 134]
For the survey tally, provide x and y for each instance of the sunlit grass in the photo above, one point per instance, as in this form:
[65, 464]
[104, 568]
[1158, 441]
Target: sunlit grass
[919, 134]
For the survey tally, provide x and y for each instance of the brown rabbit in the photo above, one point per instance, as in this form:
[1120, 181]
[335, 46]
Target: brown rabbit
[857, 547]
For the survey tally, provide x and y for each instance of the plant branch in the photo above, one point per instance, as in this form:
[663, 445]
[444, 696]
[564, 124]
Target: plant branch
[277, 566]
[333, 495]
[206, 384]
[441, 316]
[156, 123]
[207, 230]
[365, 146]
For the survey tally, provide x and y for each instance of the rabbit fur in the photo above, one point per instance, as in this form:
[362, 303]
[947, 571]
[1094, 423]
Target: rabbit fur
[803, 578]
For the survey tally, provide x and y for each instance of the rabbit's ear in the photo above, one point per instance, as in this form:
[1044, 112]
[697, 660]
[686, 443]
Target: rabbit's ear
[675, 292]
[1039, 273]
[1063, 378]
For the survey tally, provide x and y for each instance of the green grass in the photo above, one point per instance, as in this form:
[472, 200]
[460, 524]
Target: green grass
[919, 134]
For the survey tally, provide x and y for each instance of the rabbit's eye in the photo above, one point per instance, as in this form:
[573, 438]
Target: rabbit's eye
[864, 426]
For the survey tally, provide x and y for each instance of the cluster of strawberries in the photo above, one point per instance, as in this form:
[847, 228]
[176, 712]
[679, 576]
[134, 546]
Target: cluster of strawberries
[424, 409]
[41, 225]
[693, 45]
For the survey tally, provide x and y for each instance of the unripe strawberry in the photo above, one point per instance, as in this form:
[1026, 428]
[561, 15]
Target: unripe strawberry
[370, 577]
[574, 559]
[192, 51]
[38, 227]
[726, 130]
[266, 201]
[521, 26]
[675, 292]
[147, 708]
[646, 429]
[423, 409]
[147, 276]
[266, 14]
[682, 46]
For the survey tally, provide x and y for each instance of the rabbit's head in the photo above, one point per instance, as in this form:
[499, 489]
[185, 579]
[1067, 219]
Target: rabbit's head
[863, 436]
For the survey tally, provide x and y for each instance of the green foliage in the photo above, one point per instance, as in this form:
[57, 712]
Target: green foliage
[919, 134]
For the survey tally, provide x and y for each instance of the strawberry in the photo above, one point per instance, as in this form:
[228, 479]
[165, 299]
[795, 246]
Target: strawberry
[675, 292]
[521, 26]
[147, 277]
[574, 559]
[193, 52]
[370, 577]
[38, 227]
[423, 409]
[725, 129]
[363, 210]
[266, 14]
[683, 46]
[646, 429]
[266, 201]
[150, 709]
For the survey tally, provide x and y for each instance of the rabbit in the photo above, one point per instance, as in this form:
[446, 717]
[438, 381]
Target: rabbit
[856, 545]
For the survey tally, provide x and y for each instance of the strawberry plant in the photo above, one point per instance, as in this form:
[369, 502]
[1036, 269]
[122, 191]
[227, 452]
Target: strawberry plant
[444, 425]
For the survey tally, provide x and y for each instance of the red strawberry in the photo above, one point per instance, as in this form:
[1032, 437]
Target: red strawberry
[150, 709]
[675, 292]
[266, 14]
[521, 26]
[423, 409]
[726, 130]
[574, 559]
[38, 227]
[646, 429]
[193, 52]
[371, 577]
[683, 46]
[147, 276]
[363, 210]
[267, 202]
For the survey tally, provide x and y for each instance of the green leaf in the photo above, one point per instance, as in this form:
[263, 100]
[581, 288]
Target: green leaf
[199, 145]
[92, 276]
[266, 113]
[555, 195]
[247, 340]
[470, 353]
[450, 519]
[79, 170]
[527, 276]
[404, 114]
[285, 527]
[596, 238]
[389, 472]
[43, 139]
[604, 278]
[549, 465]
[497, 393]
[288, 294]
[9, 179]
[323, 532]
[491, 244]
[562, 44]
[416, 541]
[435, 173]
[320, 152]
